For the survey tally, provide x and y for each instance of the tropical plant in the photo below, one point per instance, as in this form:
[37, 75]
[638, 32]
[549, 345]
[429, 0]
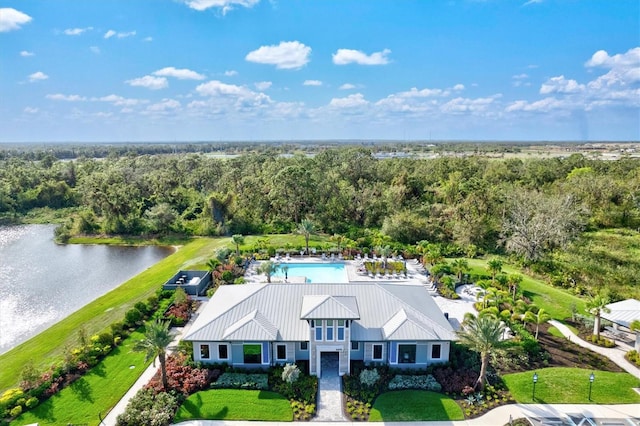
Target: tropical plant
[306, 228]
[540, 318]
[514, 281]
[268, 268]
[494, 266]
[212, 264]
[482, 334]
[596, 306]
[237, 240]
[154, 344]
[459, 267]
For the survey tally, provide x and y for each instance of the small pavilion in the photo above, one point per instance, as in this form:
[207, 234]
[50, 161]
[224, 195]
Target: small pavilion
[621, 314]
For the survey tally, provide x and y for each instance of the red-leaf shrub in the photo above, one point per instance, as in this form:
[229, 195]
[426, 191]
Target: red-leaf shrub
[181, 377]
[455, 381]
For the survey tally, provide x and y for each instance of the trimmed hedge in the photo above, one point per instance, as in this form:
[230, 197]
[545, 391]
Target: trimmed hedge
[427, 382]
[242, 381]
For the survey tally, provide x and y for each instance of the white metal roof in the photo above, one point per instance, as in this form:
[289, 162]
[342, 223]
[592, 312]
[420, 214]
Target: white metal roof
[623, 312]
[255, 311]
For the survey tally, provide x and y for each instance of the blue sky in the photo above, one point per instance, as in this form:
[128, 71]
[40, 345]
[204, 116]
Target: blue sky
[210, 70]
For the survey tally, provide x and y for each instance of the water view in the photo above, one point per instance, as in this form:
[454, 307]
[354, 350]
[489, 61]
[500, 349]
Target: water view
[42, 282]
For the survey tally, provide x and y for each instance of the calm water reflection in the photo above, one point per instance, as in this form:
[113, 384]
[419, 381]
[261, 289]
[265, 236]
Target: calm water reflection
[41, 282]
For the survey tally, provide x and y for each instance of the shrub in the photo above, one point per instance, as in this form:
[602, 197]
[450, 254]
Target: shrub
[633, 357]
[454, 381]
[10, 397]
[427, 382]
[369, 377]
[181, 376]
[290, 373]
[242, 381]
[16, 411]
[149, 409]
[133, 317]
[32, 402]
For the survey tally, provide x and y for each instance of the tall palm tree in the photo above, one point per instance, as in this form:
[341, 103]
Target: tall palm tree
[306, 228]
[540, 318]
[459, 267]
[154, 344]
[494, 266]
[596, 306]
[237, 240]
[268, 268]
[482, 334]
[514, 281]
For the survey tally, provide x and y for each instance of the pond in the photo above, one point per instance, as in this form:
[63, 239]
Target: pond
[42, 282]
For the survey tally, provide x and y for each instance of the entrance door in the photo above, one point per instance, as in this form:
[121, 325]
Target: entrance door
[329, 364]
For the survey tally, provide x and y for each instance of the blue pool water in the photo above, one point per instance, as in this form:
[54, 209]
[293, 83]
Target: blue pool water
[316, 272]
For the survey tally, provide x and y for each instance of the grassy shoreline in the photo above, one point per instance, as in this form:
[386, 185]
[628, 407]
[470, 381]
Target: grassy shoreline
[47, 347]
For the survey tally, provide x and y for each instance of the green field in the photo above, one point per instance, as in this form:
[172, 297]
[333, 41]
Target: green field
[94, 393]
[48, 346]
[235, 404]
[571, 386]
[414, 405]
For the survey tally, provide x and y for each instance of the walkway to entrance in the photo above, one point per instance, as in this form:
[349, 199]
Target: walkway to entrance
[329, 390]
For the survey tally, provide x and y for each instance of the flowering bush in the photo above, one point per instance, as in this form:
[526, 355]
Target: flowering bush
[147, 408]
[290, 373]
[369, 377]
[182, 378]
[427, 382]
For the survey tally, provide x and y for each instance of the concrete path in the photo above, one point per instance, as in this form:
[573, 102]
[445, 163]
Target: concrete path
[615, 354]
[111, 418]
[496, 417]
[329, 407]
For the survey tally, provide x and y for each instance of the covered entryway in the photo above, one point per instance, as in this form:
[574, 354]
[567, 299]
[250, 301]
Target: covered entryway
[329, 388]
[329, 362]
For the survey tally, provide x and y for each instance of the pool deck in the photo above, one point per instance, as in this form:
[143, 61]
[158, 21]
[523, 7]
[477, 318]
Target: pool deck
[455, 309]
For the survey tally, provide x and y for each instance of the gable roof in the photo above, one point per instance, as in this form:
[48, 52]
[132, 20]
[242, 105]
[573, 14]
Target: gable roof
[329, 307]
[280, 312]
[623, 312]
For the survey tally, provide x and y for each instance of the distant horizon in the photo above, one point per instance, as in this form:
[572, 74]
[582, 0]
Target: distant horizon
[259, 70]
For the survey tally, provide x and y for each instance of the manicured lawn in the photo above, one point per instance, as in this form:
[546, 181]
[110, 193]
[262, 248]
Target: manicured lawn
[571, 386]
[556, 302]
[414, 405]
[235, 404]
[96, 392]
[48, 346]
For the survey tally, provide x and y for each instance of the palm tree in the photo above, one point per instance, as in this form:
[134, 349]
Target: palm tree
[494, 266]
[482, 334]
[237, 240]
[596, 306]
[268, 268]
[514, 281]
[540, 318]
[212, 264]
[459, 267]
[156, 339]
[306, 228]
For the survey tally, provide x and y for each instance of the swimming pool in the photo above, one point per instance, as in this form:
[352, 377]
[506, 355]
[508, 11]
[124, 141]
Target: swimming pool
[315, 272]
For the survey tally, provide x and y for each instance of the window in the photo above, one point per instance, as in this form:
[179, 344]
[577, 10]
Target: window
[329, 329]
[341, 330]
[355, 346]
[223, 352]
[318, 333]
[377, 352]
[252, 353]
[204, 352]
[407, 354]
[304, 346]
[281, 352]
[436, 351]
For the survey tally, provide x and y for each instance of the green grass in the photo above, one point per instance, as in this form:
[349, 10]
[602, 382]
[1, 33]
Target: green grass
[96, 392]
[556, 302]
[48, 346]
[414, 405]
[571, 386]
[235, 404]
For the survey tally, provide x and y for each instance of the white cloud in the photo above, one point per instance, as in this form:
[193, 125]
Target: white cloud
[461, 105]
[602, 59]
[12, 19]
[37, 76]
[347, 86]
[543, 105]
[181, 74]
[67, 98]
[76, 31]
[26, 53]
[224, 5]
[164, 105]
[312, 83]
[458, 87]
[30, 110]
[348, 56]
[262, 85]
[424, 93]
[112, 33]
[522, 76]
[149, 81]
[118, 100]
[286, 55]
[560, 85]
[352, 101]
[218, 88]
[148, 39]
[95, 49]
[230, 73]
[530, 2]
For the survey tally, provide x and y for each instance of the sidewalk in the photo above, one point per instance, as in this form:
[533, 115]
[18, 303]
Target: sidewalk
[111, 418]
[615, 354]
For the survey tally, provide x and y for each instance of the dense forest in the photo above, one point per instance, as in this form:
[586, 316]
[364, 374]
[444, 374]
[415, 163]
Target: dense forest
[467, 205]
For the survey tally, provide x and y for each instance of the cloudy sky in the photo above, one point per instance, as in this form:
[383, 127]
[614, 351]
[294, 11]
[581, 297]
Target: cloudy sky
[214, 70]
